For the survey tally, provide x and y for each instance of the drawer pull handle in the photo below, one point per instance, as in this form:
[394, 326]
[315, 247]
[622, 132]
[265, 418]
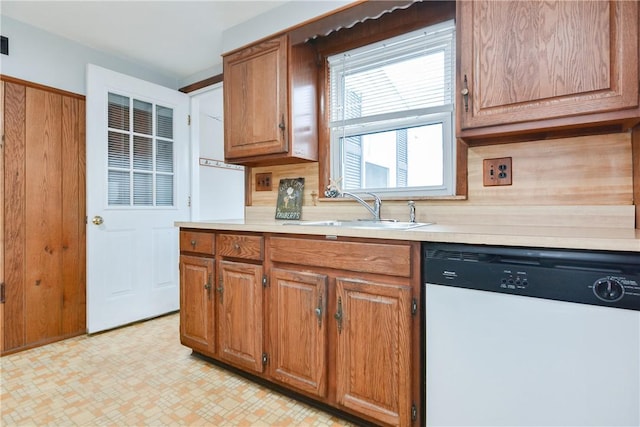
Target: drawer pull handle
[236, 246]
[193, 244]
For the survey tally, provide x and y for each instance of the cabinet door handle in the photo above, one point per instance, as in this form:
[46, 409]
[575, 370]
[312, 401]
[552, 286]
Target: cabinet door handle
[282, 129]
[318, 311]
[465, 93]
[338, 315]
[220, 288]
[207, 285]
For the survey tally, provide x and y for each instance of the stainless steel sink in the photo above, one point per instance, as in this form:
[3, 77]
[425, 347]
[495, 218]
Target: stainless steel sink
[368, 224]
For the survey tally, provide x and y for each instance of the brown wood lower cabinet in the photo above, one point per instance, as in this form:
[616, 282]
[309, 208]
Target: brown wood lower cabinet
[373, 349]
[197, 274]
[334, 320]
[299, 330]
[196, 319]
[240, 314]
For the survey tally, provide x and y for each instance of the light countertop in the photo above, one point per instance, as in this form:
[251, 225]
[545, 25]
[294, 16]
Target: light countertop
[618, 239]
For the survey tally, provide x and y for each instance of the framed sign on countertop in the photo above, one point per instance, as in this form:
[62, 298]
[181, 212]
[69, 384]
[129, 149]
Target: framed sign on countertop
[289, 205]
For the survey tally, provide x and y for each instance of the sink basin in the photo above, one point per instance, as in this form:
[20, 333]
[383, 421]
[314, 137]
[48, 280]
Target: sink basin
[368, 224]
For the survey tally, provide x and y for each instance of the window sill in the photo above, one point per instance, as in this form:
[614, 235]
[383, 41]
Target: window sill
[394, 199]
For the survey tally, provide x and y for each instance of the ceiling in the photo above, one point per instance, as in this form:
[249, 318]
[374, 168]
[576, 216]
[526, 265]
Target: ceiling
[177, 38]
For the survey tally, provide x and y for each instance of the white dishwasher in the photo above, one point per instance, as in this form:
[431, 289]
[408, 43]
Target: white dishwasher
[531, 337]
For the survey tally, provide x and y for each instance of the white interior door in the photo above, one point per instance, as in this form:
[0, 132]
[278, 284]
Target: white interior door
[137, 186]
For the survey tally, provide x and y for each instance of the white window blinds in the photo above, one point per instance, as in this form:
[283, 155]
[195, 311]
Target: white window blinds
[411, 74]
[140, 153]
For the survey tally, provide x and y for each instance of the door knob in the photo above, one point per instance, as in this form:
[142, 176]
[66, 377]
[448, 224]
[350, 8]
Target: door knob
[97, 220]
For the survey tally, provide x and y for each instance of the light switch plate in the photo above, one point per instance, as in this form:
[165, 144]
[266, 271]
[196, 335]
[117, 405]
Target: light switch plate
[264, 181]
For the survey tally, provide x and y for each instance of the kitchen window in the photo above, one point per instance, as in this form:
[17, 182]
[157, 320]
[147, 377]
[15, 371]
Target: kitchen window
[392, 114]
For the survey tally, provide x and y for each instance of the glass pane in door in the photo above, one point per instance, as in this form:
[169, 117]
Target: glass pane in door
[140, 153]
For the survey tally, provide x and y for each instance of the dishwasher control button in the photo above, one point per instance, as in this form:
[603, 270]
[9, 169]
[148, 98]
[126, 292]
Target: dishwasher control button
[608, 289]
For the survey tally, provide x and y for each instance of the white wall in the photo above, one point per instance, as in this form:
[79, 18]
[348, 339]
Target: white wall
[42, 57]
[266, 24]
[276, 20]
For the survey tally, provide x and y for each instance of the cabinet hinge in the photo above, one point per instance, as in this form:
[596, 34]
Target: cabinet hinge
[265, 358]
[188, 119]
[265, 281]
[2, 293]
[414, 412]
[414, 307]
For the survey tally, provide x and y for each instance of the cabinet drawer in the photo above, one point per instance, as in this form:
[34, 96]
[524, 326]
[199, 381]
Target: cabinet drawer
[197, 241]
[241, 246]
[377, 258]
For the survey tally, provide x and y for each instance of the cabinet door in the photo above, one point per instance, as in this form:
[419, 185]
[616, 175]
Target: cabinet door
[240, 314]
[373, 349]
[298, 331]
[196, 303]
[534, 60]
[255, 100]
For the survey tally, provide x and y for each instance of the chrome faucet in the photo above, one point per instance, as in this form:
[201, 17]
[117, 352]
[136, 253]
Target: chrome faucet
[377, 203]
[412, 210]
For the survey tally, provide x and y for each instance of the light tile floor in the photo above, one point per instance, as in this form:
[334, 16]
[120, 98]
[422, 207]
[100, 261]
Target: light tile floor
[139, 375]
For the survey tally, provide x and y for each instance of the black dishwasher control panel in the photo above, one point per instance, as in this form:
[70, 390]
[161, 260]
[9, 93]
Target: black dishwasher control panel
[604, 278]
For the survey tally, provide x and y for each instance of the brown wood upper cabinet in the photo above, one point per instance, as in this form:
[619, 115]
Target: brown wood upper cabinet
[529, 66]
[270, 103]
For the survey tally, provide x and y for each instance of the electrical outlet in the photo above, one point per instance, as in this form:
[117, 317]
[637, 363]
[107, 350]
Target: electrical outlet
[497, 171]
[263, 181]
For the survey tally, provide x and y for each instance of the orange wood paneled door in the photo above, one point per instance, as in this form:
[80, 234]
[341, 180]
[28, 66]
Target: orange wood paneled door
[2, 217]
[44, 211]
